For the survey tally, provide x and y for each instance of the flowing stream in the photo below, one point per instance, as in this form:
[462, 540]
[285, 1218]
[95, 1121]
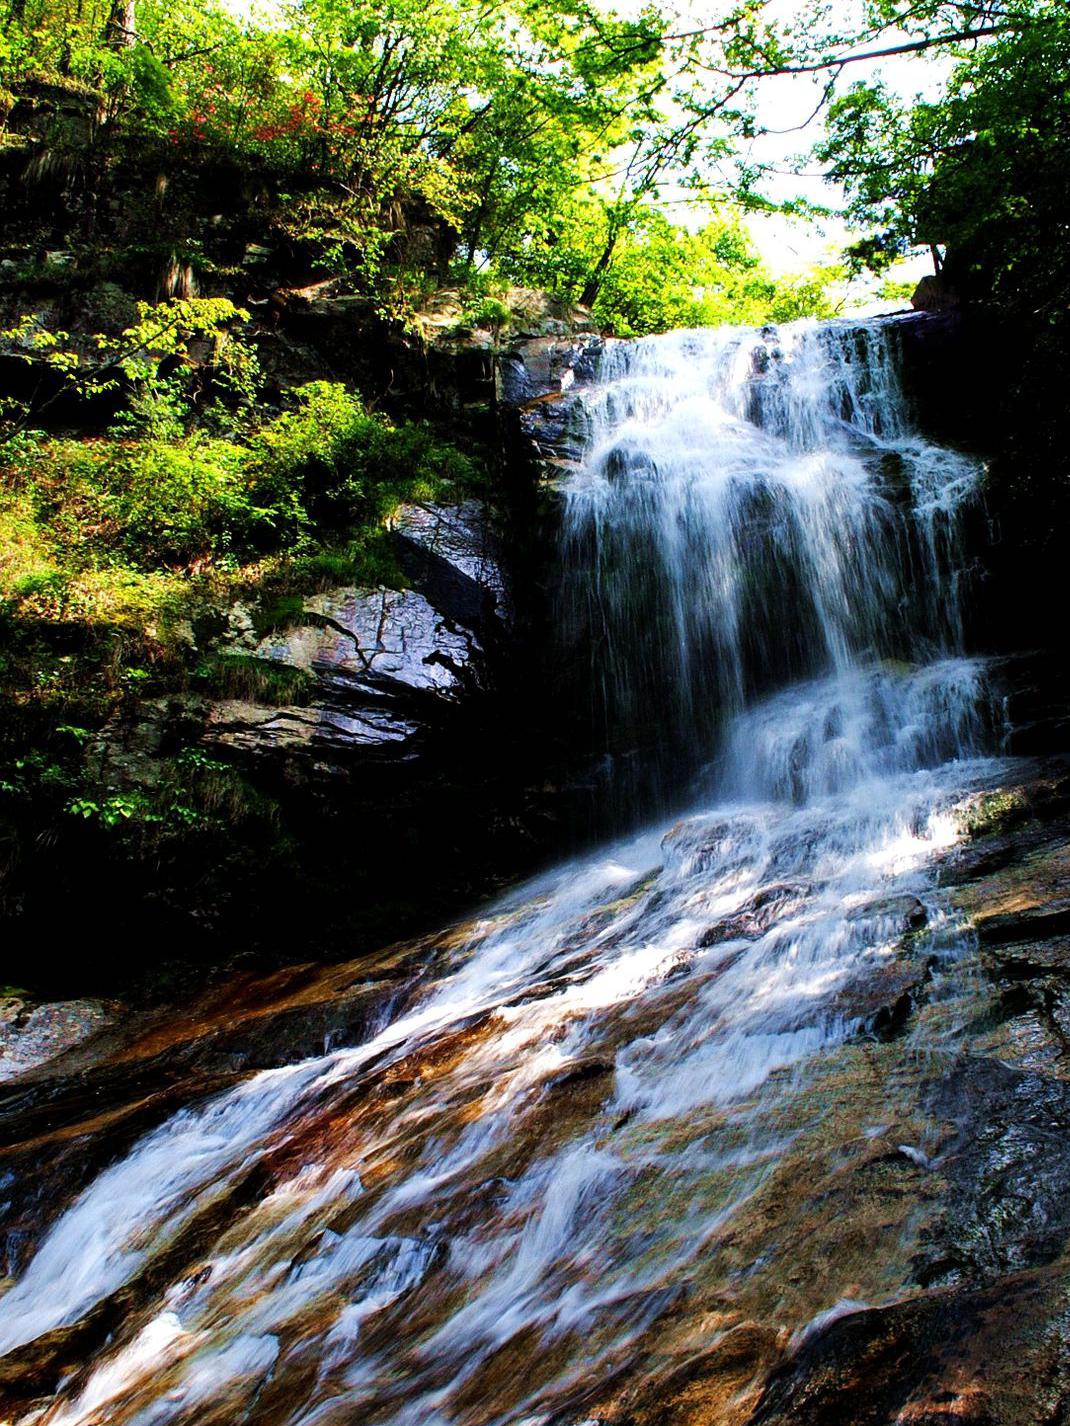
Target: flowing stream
[545, 1170]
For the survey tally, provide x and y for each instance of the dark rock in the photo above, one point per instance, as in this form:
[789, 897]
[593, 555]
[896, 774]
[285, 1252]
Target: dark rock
[757, 914]
[905, 912]
[451, 554]
[891, 1020]
[547, 367]
[389, 667]
[1030, 959]
[580, 1073]
[539, 393]
[923, 1361]
[1008, 1165]
[932, 294]
[1024, 925]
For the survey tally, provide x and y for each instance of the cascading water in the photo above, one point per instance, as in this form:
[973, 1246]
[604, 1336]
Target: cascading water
[755, 510]
[566, 1165]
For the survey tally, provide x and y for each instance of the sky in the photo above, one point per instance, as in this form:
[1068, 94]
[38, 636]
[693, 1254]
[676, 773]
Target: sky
[787, 244]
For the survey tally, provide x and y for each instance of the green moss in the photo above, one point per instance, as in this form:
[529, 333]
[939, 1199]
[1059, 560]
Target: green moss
[277, 611]
[254, 679]
[993, 812]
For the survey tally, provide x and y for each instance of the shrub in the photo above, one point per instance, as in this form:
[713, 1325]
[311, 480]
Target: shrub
[179, 503]
[333, 465]
[130, 533]
[244, 676]
[25, 560]
[489, 312]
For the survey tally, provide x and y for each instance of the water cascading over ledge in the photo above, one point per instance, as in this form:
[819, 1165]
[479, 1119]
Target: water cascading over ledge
[755, 510]
[633, 1116]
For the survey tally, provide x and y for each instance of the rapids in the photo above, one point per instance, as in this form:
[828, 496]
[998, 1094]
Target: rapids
[560, 1165]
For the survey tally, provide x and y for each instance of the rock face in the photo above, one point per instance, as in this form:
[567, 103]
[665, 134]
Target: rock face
[388, 667]
[538, 386]
[366, 750]
[975, 1332]
[933, 295]
[32, 1035]
[956, 374]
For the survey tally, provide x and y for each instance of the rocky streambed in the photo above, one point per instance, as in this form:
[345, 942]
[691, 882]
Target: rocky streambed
[891, 1242]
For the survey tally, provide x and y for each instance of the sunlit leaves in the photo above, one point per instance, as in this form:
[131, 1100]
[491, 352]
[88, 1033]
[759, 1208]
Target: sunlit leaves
[983, 173]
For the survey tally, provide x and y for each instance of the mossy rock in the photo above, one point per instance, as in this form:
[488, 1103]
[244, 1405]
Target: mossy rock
[993, 812]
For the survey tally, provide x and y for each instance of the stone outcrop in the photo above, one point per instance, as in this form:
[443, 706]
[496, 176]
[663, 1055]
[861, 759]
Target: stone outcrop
[539, 382]
[903, 1262]
[387, 668]
[932, 294]
[31, 1034]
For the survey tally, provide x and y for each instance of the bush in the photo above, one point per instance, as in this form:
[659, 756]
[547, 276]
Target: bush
[129, 538]
[244, 676]
[154, 502]
[328, 472]
[176, 504]
[333, 466]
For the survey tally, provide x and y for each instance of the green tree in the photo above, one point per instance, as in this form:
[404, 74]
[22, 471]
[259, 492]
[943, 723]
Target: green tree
[981, 177]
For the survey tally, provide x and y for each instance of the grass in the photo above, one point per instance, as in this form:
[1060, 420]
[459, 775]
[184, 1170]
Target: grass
[254, 680]
[27, 567]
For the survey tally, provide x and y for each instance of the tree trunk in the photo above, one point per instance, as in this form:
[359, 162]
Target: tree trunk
[120, 31]
[593, 285]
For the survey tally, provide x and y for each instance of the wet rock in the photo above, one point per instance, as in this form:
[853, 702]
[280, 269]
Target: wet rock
[387, 665]
[900, 1364]
[580, 1073]
[1024, 925]
[547, 367]
[892, 1020]
[719, 1384]
[757, 914]
[905, 913]
[1029, 959]
[450, 552]
[539, 385]
[30, 1036]
[894, 1253]
[1027, 899]
[1008, 1166]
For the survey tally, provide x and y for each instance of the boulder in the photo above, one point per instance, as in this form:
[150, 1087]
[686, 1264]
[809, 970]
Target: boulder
[32, 1035]
[539, 388]
[932, 294]
[389, 668]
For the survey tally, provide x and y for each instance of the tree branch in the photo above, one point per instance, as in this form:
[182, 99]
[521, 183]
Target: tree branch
[836, 61]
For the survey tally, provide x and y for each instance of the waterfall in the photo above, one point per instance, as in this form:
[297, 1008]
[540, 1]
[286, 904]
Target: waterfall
[499, 1205]
[755, 510]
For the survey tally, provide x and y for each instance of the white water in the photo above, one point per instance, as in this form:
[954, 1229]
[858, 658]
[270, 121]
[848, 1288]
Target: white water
[755, 515]
[755, 510]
